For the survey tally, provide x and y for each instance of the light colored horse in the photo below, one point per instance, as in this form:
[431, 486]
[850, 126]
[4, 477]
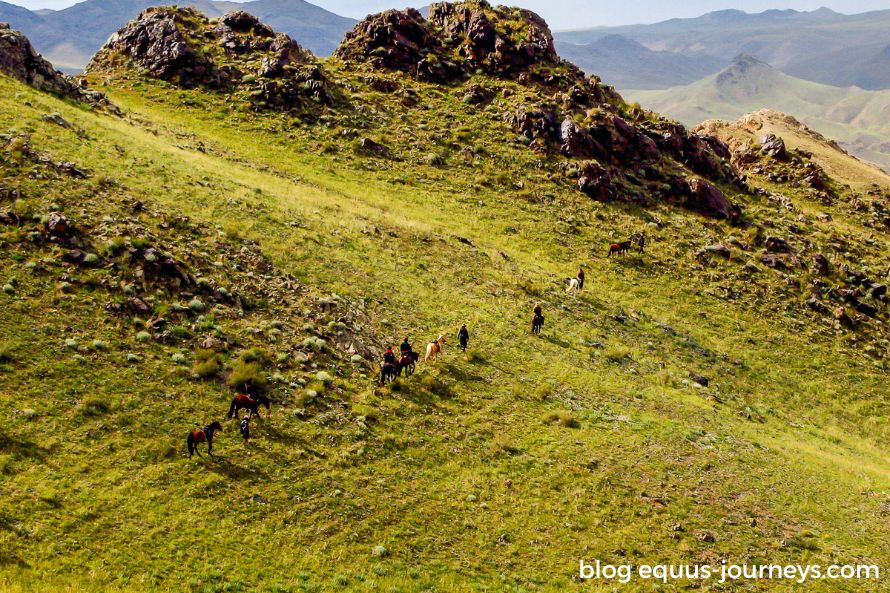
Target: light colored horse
[434, 349]
[574, 286]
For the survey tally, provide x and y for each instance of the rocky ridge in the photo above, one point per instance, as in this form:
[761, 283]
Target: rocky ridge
[235, 53]
[607, 149]
[20, 60]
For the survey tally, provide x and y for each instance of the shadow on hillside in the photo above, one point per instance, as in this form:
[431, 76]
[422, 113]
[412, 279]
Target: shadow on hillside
[22, 448]
[224, 467]
[460, 374]
[555, 341]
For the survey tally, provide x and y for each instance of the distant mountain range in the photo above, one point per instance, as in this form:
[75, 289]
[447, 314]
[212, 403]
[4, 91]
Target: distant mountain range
[858, 119]
[625, 63]
[69, 37]
[822, 46]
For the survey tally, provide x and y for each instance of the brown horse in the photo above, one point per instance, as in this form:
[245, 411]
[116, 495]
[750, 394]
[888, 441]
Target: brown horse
[619, 248]
[388, 372]
[434, 349]
[407, 363]
[202, 435]
[251, 403]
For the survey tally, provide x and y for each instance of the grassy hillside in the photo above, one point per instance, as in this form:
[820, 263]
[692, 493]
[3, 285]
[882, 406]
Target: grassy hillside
[855, 118]
[487, 471]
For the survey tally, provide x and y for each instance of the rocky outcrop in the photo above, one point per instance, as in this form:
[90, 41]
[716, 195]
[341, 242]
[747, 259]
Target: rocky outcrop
[20, 60]
[706, 198]
[236, 54]
[497, 40]
[398, 40]
[164, 42]
[458, 39]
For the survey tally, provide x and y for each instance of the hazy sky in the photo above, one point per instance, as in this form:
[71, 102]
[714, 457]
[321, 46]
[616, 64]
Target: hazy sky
[567, 14]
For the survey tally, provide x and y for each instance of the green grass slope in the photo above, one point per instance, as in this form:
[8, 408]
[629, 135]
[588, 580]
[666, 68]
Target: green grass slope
[491, 471]
[855, 118]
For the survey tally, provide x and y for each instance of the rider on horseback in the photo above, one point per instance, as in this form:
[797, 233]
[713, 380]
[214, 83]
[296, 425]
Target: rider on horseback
[405, 348]
[389, 356]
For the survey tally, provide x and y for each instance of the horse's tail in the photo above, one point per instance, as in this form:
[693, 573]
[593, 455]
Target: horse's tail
[190, 442]
[232, 410]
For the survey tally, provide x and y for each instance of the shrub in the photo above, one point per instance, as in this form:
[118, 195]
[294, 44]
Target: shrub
[563, 418]
[616, 353]
[115, 246]
[207, 364]
[7, 353]
[94, 407]
[247, 376]
[435, 386]
[315, 344]
[143, 336]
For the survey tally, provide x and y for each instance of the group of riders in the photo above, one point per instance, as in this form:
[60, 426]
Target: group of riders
[392, 366]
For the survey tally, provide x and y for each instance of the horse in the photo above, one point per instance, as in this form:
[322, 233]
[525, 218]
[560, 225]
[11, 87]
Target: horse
[407, 363]
[388, 372]
[537, 324]
[251, 403]
[202, 435]
[435, 348]
[574, 285]
[619, 248]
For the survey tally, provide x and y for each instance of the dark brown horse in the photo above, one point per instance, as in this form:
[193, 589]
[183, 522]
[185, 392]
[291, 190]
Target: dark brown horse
[251, 403]
[537, 324]
[407, 363]
[388, 372]
[202, 435]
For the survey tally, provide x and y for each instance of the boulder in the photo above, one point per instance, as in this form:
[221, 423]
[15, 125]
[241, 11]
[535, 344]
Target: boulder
[840, 314]
[596, 182]
[716, 249]
[706, 198]
[577, 142]
[866, 308]
[773, 146]
[777, 245]
[817, 305]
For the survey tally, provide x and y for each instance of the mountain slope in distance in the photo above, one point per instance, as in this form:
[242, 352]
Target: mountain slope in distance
[625, 63]
[822, 45]
[858, 119]
[69, 37]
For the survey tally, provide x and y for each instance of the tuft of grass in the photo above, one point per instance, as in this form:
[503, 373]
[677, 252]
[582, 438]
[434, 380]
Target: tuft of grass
[563, 418]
